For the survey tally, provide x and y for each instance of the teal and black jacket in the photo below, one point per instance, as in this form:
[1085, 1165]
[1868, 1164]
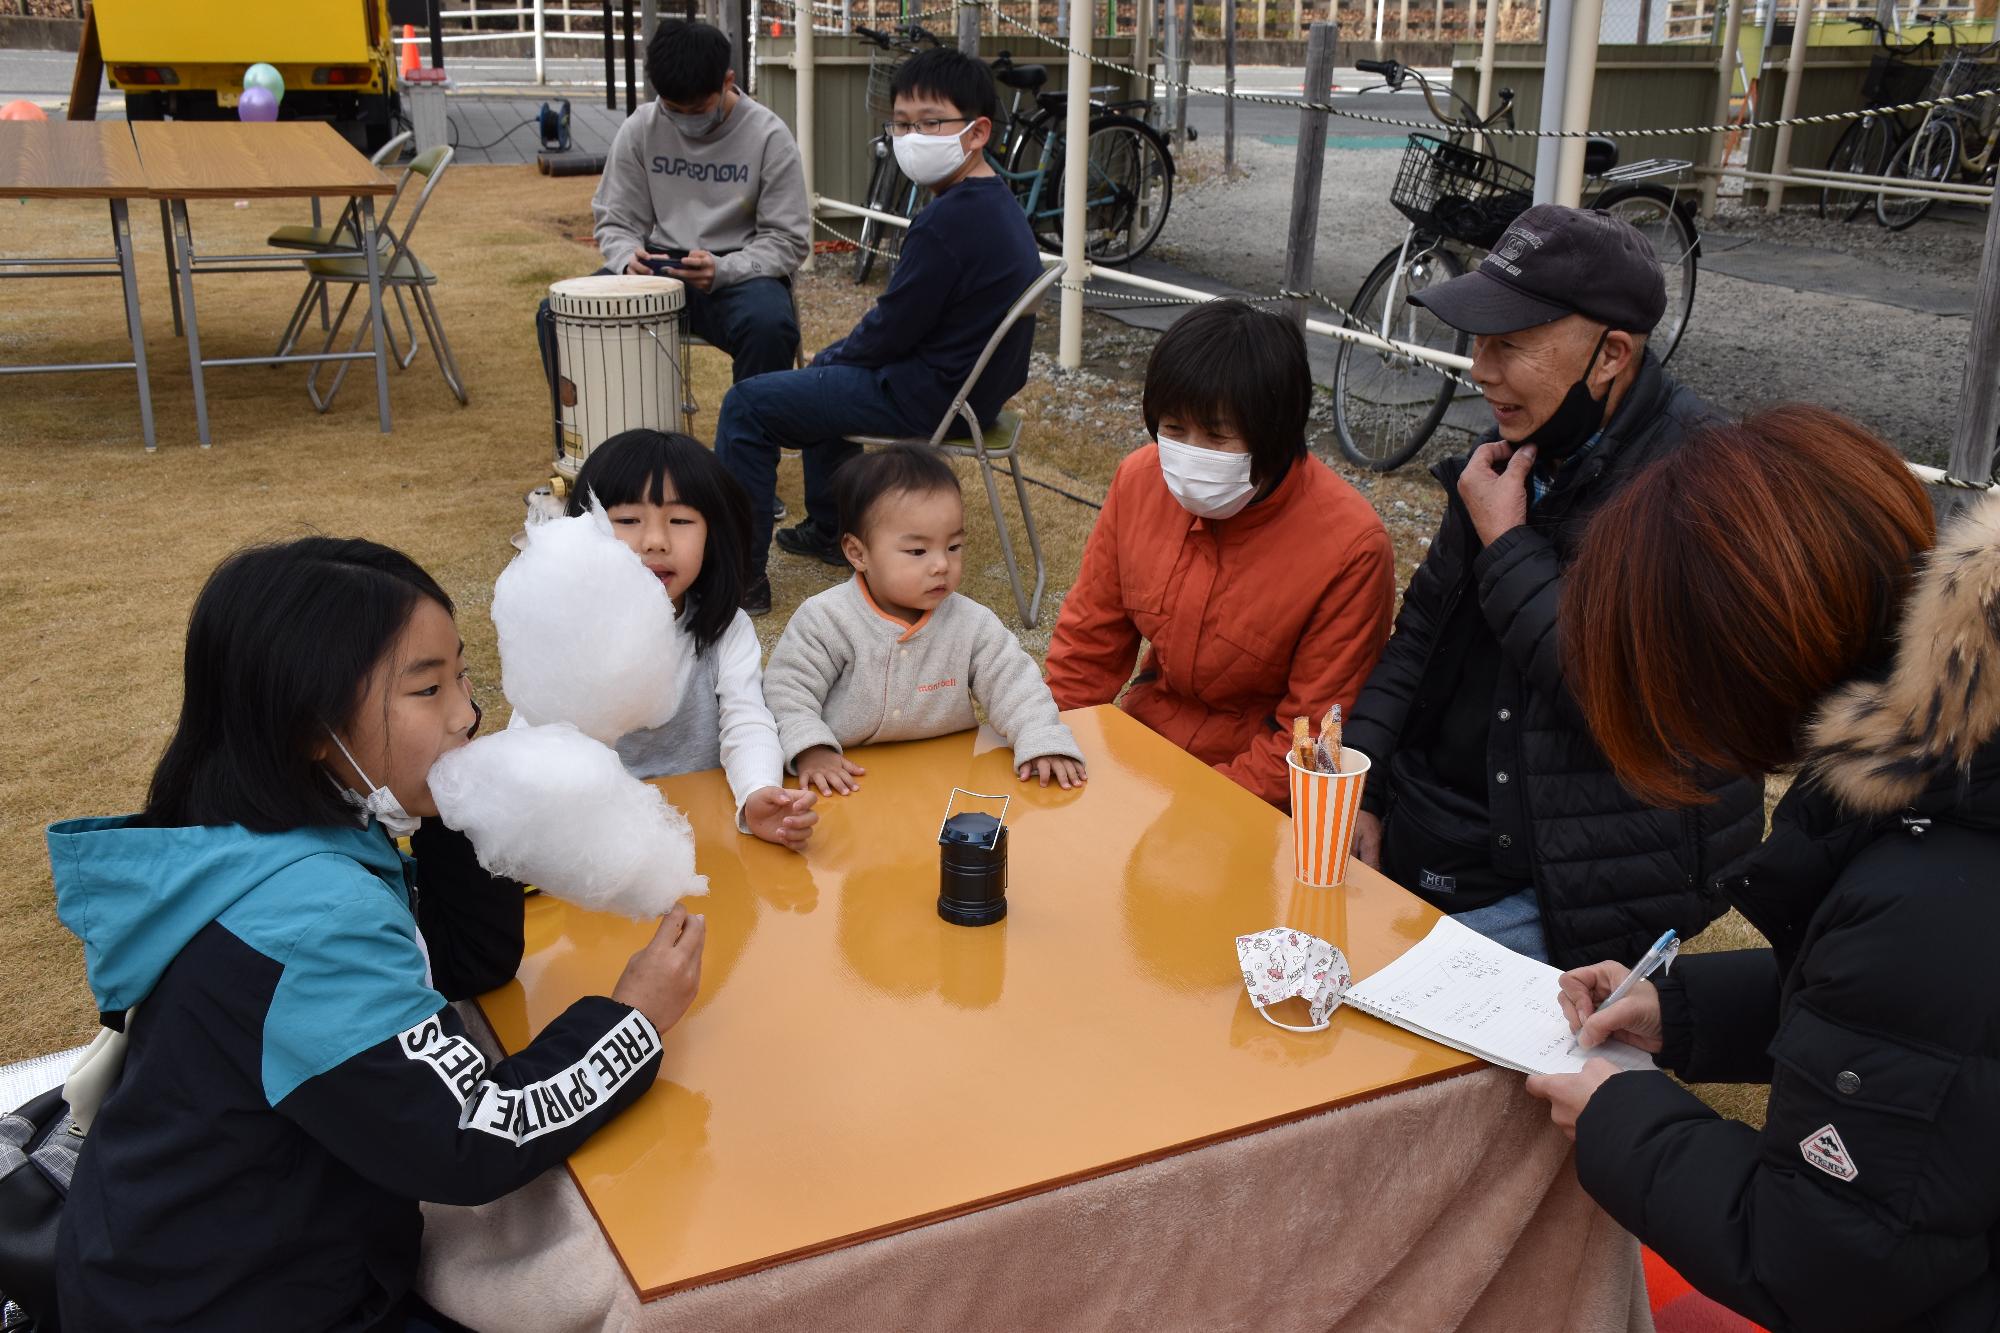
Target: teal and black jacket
[296, 1080]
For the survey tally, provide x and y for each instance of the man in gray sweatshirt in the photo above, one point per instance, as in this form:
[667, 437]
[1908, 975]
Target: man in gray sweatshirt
[705, 170]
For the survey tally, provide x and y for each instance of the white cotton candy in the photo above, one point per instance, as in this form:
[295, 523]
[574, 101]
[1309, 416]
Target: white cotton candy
[551, 807]
[587, 632]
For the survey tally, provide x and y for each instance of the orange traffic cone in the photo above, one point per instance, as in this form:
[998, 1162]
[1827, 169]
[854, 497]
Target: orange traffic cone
[409, 48]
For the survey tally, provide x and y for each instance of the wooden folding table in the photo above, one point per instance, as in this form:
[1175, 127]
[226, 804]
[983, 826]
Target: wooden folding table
[81, 160]
[187, 160]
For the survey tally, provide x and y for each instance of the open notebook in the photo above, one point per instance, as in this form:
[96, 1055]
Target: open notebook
[1460, 988]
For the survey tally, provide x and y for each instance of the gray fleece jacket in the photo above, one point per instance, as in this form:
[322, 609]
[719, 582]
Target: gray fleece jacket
[740, 189]
[848, 673]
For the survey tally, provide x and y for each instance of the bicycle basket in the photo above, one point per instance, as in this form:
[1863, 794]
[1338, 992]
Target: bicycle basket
[1893, 79]
[1457, 193]
[1959, 74]
[882, 67]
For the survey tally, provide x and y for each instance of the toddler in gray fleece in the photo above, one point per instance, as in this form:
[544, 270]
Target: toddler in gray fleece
[895, 654]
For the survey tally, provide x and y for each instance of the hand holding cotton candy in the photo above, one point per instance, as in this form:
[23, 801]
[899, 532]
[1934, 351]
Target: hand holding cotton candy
[587, 632]
[556, 809]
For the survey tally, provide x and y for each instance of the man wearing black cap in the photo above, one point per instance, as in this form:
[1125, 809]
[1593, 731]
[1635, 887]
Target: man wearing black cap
[1497, 806]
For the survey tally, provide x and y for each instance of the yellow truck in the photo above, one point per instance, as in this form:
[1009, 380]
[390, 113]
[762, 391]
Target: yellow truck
[185, 58]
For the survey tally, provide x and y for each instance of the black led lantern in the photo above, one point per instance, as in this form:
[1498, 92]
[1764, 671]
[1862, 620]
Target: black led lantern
[972, 866]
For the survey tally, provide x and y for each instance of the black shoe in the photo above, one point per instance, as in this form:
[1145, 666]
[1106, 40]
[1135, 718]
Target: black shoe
[756, 599]
[815, 542]
[778, 511]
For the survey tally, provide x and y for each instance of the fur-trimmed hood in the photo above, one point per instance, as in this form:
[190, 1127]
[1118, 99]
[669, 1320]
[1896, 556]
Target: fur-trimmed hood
[1876, 746]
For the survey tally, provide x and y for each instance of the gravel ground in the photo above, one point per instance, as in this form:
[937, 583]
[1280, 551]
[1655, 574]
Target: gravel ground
[1748, 344]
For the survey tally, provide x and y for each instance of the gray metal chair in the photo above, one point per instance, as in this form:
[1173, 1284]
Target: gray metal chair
[401, 270]
[345, 234]
[976, 443]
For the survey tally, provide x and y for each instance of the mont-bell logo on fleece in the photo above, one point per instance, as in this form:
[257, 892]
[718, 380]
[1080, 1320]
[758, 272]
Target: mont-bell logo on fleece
[1824, 1150]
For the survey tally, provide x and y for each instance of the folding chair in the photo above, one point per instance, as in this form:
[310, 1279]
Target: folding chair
[973, 442]
[345, 234]
[401, 270]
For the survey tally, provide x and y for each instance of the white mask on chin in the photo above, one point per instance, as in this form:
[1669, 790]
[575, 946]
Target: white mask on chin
[379, 802]
[1208, 483]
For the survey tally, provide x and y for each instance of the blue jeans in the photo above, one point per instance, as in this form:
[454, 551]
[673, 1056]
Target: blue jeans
[809, 410]
[1515, 921]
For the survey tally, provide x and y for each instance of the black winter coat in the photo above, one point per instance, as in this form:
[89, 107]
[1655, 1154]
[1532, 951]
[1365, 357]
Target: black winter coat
[1871, 1199]
[1610, 872]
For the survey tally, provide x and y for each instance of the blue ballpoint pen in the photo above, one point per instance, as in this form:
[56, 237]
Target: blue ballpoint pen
[1662, 954]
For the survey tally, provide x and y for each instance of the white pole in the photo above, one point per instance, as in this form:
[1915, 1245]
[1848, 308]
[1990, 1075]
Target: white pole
[541, 45]
[802, 65]
[1585, 18]
[1076, 184]
[1725, 93]
[1487, 39]
[1555, 79]
[1381, 10]
[1795, 74]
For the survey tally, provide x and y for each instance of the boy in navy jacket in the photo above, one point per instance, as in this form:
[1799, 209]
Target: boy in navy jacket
[967, 258]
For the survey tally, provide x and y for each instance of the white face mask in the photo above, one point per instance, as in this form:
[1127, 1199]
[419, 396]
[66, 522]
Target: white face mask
[930, 158]
[1207, 482]
[1279, 963]
[379, 802]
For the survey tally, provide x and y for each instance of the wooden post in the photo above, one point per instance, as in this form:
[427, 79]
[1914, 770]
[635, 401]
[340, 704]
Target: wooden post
[1795, 74]
[1645, 22]
[1183, 57]
[968, 29]
[1979, 398]
[1303, 233]
[1229, 88]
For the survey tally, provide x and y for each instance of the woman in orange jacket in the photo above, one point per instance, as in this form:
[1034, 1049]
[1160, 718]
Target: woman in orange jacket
[1262, 584]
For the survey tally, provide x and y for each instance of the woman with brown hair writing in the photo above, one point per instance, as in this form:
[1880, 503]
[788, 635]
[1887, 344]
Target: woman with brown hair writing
[1768, 599]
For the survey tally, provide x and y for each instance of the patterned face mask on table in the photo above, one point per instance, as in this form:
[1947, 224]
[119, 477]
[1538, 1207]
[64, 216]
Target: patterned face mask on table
[1280, 963]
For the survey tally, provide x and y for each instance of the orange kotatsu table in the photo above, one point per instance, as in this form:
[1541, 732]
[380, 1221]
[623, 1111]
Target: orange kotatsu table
[855, 1068]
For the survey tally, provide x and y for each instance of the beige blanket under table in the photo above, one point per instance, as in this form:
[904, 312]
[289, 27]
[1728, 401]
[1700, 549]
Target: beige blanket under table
[1450, 1206]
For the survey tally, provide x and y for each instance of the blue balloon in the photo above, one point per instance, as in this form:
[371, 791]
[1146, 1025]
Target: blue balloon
[256, 104]
[261, 75]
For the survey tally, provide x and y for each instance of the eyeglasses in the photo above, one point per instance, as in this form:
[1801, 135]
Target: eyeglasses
[899, 128]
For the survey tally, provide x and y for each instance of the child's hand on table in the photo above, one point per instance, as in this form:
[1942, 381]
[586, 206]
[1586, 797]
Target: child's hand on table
[662, 978]
[1067, 772]
[829, 770]
[782, 817]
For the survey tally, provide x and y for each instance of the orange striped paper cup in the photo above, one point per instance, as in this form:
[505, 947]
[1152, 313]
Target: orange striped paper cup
[1325, 809]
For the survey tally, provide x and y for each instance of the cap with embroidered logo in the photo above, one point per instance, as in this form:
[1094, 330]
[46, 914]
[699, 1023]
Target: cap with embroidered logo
[1555, 261]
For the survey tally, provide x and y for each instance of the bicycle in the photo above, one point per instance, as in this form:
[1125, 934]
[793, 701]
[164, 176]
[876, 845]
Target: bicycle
[889, 190]
[1868, 145]
[1460, 202]
[1935, 153]
[1130, 174]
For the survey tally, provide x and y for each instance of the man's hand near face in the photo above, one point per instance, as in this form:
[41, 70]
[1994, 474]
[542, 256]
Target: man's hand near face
[1494, 487]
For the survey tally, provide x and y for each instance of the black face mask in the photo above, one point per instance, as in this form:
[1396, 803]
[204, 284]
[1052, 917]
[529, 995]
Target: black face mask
[1576, 418]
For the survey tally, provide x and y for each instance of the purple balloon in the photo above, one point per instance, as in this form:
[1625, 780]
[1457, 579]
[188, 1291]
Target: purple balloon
[256, 104]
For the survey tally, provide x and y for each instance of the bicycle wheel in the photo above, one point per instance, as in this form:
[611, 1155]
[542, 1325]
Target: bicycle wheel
[880, 188]
[1864, 150]
[1131, 187]
[1386, 404]
[1669, 229]
[1928, 156]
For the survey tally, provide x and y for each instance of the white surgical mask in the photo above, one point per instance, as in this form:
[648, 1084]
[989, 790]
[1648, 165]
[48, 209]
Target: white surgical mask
[379, 802]
[929, 158]
[1207, 482]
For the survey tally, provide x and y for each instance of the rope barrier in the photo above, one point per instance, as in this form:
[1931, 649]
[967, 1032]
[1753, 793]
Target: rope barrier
[1299, 104]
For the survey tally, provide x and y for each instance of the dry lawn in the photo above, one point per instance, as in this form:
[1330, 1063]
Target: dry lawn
[103, 547]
